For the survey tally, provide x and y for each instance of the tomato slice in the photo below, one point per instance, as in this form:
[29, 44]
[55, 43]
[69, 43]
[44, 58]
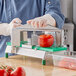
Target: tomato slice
[45, 40]
[68, 63]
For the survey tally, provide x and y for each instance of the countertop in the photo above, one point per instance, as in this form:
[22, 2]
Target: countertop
[33, 66]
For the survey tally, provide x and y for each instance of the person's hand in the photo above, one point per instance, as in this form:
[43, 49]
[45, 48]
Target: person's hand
[42, 21]
[6, 29]
[15, 23]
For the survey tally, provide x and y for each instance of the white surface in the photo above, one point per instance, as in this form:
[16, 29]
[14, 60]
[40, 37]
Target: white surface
[30, 28]
[28, 52]
[27, 46]
[15, 37]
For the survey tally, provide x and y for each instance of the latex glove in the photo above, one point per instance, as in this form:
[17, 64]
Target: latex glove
[5, 29]
[42, 21]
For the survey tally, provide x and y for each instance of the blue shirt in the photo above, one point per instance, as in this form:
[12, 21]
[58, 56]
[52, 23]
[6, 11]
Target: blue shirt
[26, 10]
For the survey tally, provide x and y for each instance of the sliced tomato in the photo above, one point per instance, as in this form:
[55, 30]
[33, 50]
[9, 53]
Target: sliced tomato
[68, 63]
[64, 64]
[45, 40]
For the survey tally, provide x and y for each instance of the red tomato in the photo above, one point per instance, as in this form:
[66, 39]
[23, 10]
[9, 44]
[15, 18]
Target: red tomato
[9, 69]
[45, 40]
[18, 72]
[3, 72]
[68, 63]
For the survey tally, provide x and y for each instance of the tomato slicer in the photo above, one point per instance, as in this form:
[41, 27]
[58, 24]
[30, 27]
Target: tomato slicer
[22, 44]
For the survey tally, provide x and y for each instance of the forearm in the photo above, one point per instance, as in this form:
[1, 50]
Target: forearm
[4, 29]
[54, 10]
[59, 20]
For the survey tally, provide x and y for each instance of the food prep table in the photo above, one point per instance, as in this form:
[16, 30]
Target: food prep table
[33, 66]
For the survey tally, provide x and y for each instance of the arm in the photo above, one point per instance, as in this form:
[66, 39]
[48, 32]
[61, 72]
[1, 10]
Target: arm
[53, 9]
[52, 15]
[5, 28]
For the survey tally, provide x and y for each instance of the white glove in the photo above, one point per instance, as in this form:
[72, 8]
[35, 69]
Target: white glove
[5, 29]
[42, 21]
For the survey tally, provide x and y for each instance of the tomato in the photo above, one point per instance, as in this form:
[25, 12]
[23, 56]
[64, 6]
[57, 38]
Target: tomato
[18, 72]
[45, 40]
[68, 63]
[3, 72]
[9, 69]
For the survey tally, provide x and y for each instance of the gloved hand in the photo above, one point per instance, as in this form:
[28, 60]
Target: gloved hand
[14, 23]
[5, 29]
[42, 21]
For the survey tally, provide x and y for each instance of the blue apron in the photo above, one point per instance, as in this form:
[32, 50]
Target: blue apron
[26, 10]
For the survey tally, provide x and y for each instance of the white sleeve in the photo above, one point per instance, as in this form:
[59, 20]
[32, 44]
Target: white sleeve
[4, 29]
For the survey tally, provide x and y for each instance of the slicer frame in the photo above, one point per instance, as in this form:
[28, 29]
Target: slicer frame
[18, 48]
